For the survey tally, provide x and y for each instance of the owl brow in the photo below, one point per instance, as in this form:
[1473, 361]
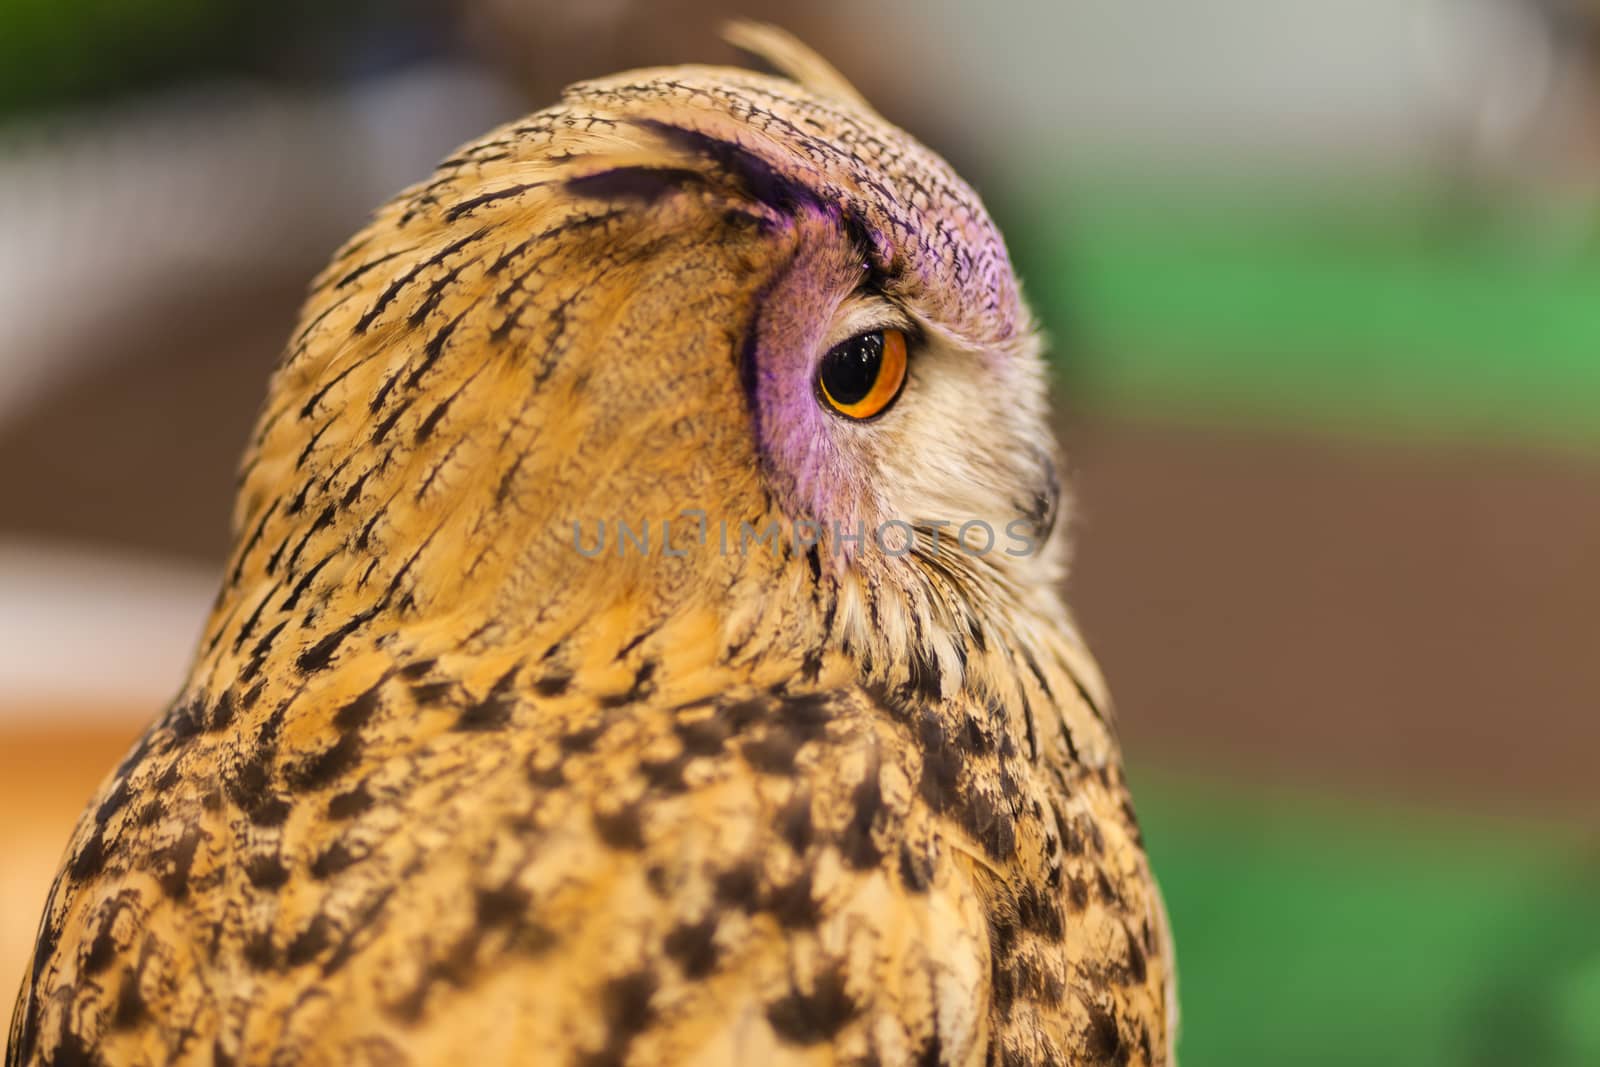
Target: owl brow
[877, 273]
[760, 180]
[770, 187]
[643, 183]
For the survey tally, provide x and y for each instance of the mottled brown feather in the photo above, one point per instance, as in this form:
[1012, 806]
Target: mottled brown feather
[442, 789]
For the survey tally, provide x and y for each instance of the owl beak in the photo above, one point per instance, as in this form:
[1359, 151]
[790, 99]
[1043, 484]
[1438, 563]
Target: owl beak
[1041, 509]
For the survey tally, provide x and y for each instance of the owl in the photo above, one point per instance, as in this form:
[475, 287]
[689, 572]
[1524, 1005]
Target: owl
[642, 641]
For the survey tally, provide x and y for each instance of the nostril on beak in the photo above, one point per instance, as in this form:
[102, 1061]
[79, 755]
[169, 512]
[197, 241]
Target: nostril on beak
[1042, 507]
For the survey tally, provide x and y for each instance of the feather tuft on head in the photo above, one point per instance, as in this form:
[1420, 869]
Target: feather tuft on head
[791, 57]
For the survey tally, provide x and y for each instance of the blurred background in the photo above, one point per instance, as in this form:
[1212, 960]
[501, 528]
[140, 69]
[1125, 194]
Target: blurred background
[1323, 283]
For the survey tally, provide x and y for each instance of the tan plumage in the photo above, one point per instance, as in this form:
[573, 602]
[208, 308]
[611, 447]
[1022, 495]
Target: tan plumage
[441, 788]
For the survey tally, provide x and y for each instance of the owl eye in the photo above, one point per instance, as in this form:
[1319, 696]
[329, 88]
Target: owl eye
[860, 378]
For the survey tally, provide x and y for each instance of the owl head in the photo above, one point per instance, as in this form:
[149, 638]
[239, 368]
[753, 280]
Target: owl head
[694, 342]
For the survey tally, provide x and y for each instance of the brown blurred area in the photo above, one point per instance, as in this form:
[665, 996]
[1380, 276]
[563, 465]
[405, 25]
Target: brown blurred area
[1412, 624]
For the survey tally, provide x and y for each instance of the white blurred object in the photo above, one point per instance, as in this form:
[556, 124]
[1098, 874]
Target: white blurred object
[101, 211]
[1326, 87]
[1493, 63]
[1520, 106]
[93, 634]
[1293, 82]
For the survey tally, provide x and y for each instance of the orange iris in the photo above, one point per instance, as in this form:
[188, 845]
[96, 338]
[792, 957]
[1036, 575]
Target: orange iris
[861, 377]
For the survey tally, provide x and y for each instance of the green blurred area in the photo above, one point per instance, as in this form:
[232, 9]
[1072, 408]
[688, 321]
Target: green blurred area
[1375, 311]
[1321, 933]
[56, 52]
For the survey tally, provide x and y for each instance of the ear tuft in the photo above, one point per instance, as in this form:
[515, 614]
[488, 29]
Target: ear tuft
[789, 56]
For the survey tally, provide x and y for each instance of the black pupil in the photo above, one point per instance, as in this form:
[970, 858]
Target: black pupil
[850, 370]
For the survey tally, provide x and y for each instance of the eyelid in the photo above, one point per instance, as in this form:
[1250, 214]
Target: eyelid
[860, 315]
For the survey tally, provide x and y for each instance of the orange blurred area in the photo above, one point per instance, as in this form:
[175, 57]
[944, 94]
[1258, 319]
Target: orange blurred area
[47, 775]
